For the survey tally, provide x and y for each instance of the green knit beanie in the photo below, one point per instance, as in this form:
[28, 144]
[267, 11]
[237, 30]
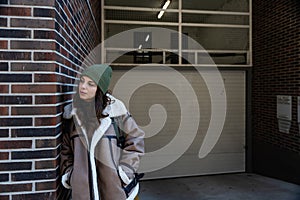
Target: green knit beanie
[100, 74]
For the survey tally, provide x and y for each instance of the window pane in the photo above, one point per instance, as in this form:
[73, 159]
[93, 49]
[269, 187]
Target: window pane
[215, 19]
[141, 3]
[217, 5]
[157, 41]
[219, 38]
[140, 16]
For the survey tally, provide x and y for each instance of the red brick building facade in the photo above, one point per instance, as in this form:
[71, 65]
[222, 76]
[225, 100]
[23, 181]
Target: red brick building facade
[42, 46]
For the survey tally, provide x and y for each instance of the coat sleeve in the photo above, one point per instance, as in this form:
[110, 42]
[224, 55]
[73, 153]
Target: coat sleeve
[133, 147]
[67, 155]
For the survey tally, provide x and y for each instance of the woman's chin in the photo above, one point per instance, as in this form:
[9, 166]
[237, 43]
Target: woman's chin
[84, 98]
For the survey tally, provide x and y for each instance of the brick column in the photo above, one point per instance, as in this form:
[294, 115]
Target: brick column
[42, 46]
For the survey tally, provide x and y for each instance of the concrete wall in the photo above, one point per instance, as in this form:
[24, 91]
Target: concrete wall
[42, 45]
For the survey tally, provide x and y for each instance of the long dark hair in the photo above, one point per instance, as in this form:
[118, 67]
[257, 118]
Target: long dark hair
[86, 111]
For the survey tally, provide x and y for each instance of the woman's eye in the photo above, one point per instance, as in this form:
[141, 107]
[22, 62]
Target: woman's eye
[92, 84]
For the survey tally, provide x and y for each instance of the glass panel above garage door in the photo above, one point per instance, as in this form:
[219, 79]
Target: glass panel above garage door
[222, 27]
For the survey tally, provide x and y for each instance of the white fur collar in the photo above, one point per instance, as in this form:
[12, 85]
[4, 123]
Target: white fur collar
[68, 111]
[115, 109]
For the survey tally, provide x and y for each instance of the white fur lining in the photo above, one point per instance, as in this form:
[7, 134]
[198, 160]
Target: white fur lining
[126, 180]
[68, 111]
[105, 123]
[116, 108]
[64, 180]
[134, 192]
[123, 176]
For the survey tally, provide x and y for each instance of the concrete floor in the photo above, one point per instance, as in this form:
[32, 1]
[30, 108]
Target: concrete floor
[219, 187]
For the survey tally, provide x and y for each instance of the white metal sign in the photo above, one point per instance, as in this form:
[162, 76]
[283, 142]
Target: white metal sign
[284, 113]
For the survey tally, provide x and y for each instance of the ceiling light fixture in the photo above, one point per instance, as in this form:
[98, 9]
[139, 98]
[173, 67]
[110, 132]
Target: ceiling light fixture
[161, 13]
[147, 38]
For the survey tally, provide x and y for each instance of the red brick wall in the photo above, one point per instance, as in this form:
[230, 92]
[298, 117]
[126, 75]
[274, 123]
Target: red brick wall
[276, 70]
[42, 45]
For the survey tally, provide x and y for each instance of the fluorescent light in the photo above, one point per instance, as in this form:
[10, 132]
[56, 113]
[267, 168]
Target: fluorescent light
[140, 46]
[161, 13]
[147, 38]
[167, 3]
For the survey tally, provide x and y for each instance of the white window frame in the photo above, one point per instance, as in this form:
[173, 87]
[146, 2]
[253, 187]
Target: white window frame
[180, 25]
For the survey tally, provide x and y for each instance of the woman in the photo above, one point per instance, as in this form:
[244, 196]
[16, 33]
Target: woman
[95, 161]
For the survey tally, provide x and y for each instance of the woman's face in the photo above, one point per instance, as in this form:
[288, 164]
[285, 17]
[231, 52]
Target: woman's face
[87, 89]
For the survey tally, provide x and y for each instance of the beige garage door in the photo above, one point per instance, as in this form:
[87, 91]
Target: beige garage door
[158, 108]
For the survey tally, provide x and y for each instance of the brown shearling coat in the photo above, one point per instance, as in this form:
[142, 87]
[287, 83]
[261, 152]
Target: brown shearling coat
[94, 168]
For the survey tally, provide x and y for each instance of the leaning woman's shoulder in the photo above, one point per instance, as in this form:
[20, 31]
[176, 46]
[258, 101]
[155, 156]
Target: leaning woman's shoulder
[68, 111]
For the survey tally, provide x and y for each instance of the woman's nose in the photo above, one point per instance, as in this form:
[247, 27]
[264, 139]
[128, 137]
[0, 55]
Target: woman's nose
[83, 85]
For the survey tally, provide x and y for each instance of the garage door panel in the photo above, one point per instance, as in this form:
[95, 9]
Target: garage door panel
[228, 155]
[231, 162]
